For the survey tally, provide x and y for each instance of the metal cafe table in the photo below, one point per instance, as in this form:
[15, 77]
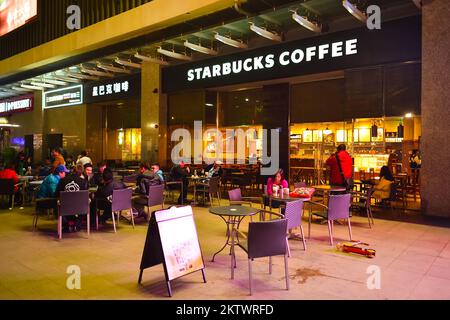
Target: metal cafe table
[232, 216]
[196, 181]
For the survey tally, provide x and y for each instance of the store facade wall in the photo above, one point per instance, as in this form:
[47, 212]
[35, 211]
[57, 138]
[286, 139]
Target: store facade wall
[435, 178]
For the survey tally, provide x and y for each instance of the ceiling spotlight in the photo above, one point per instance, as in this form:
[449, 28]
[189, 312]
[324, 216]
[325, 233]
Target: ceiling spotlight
[42, 84]
[97, 73]
[305, 22]
[9, 125]
[113, 69]
[199, 48]
[418, 3]
[265, 33]
[151, 59]
[353, 9]
[127, 63]
[27, 86]
[231, 42]
[174, 54]
[82, 76]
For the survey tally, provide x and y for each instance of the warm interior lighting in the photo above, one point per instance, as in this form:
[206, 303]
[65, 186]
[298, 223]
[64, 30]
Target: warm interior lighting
[82, 76]
[174, 54]
[408, 115]
[304, 22]
[27, 86]
[231, 42]
[354, 11]
[121, 137]
[200, 48]
[21, 89]
[265, 33]
[327, 131]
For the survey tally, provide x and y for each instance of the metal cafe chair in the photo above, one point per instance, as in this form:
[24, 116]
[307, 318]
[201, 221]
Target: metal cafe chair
[212, 187]
[236, 198]
[363, 201]
[155, 197]
[338, 208]
[293, 213]
[43, 205]
[7, 189]
[73, 203]
[121, 200]
[266, 239]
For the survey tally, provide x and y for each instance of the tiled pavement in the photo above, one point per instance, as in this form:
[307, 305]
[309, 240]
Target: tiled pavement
[414, 260]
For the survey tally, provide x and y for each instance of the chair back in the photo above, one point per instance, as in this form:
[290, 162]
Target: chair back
[73, 203]
[121, 199]
[293, 213]
[267, 238]
[339, 206]
[7, 187]
[156, 195]
[369, 196]
[235, 195]
[299, 185]
[214, 184]
[130, 179]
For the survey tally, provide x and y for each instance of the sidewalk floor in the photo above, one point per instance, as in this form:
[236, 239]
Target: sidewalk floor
[414, 261]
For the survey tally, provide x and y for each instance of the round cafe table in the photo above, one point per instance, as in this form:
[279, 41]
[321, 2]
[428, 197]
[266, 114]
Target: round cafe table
[232, 216]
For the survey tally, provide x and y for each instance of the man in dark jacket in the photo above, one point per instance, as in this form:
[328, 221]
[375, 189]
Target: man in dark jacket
[180, 173]
[144, 181]
[103, 196]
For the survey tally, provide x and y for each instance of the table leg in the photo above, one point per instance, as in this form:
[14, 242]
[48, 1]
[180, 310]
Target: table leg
[227, 242]
[233, 257]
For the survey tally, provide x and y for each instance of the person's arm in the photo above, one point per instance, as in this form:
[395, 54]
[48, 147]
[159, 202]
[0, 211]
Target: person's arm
[285, 184]
[270, 187]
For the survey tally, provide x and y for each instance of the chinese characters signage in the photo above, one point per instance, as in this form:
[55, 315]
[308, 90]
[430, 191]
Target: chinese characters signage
[15, 105]
[63, 97]
[16, 13]
[113, 89]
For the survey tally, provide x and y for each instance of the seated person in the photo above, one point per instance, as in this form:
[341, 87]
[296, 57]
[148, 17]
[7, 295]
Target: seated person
[275, 183]
[71, 183]
[145, 180]
[103, 196]
[180, 172]
[10, 174]
[214, 170]
[382, 190]
[156, 169]
[47, 190]
[45, 170]
[98, 176]
[88, 175]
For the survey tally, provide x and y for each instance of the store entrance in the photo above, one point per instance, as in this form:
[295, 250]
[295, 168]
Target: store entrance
[114, 132]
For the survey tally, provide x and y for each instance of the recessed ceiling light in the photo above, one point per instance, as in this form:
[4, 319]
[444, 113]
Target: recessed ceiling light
[353, 9]
[265, 33]
[174, 54]
[200, 48]
[231, 42]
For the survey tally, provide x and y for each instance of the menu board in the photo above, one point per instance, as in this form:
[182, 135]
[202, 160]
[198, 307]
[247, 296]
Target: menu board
[172, 240]
[179, 241]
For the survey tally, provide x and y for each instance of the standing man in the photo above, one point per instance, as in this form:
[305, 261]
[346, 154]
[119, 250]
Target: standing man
[341, 167]
[180, 173]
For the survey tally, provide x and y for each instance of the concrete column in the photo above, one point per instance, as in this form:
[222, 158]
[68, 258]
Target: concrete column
[435, 177]
[153, 115]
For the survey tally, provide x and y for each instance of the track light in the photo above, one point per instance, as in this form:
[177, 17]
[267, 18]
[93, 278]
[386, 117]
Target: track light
[97, 73]
[353, 9]
[27, 86]
[151, 59]
[113, 69]
[230, 42]
[174, 54]
[82, 76]
[265, 33]
[67, 79]
[55, 82]
[20, 89]
[199, 48]
[127, 63]
[42, 84]
[305, 22]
